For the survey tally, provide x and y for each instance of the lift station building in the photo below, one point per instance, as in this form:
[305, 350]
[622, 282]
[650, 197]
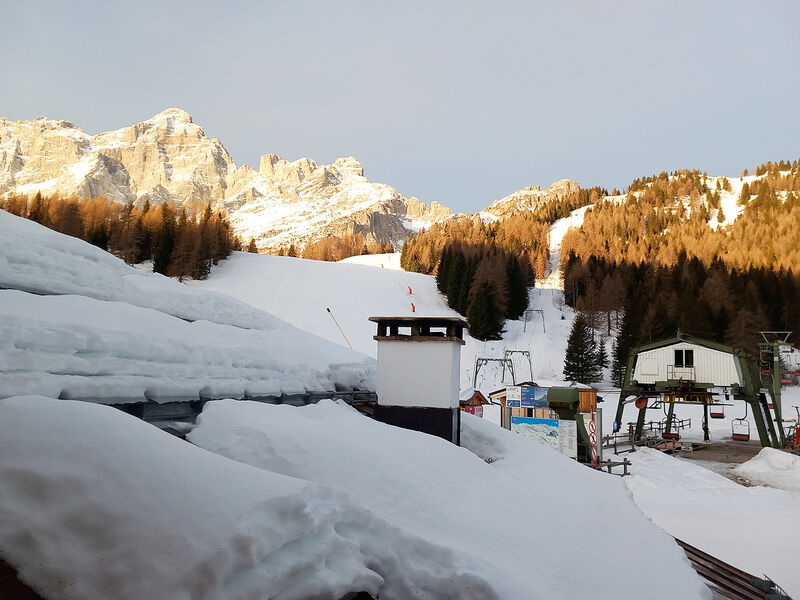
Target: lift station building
[690, 361]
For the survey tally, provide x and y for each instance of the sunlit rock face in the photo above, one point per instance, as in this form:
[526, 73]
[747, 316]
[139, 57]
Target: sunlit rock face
[530, 198]
[169, 158]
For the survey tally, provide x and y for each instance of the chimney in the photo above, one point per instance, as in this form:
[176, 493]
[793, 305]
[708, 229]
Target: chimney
[419, 367]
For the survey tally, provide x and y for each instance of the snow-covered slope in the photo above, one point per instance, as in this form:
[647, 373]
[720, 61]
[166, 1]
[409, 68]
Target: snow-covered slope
[553, 278]
[76, 322]
[299, 291]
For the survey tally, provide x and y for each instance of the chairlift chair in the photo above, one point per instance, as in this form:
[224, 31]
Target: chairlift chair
[665, 423]
[716, 411]
[740, 428]
[670, 435]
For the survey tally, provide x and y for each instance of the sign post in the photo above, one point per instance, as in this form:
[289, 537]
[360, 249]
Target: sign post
[593, 439]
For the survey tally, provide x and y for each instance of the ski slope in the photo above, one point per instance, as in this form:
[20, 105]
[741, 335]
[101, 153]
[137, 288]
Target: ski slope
[299, 291]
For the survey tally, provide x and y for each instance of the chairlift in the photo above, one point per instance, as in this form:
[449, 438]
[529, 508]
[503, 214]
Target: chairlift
[670, 435]
[716, 411]
[740, 428]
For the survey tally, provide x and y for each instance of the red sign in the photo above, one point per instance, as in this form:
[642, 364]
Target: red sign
[593, 439]
[474, 410]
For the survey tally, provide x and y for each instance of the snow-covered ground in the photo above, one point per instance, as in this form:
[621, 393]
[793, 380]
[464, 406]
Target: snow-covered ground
[383, 261]
[772, 468]
[96, 504]
[337, 502]
[753, 528]
[76, 322]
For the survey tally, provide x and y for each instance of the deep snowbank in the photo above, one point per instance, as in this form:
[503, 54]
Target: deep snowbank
[36, 259]
[76, 322]
[113, 352]
[773, 468]
[96, 504]
[530, 520]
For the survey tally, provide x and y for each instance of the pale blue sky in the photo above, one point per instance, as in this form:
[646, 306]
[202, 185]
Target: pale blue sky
[458, 102]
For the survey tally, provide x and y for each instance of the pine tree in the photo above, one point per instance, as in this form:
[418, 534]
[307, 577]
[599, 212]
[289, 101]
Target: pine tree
[37, 211]
[465, 285]
[517, 291]
[443, 270]
[483, 316]
[251, 247]
[166, 241]
[455, 277]
[580, 363]
[623, 344]
[602, 355]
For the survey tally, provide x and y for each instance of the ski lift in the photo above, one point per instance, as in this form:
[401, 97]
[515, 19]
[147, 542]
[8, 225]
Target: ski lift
[740, 428]
[669, 435]
[716, 411]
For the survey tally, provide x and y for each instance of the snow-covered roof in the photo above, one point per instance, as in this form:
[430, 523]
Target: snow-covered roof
[106, 506]
[79, 323]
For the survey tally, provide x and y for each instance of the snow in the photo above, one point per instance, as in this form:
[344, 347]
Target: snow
[772, 468]
[77, 322]
[382, 261]
[527, 521]
[748, 527]
[355, 292]
[729, 201]
[553, 278]
[356, 505]
[78, 347]
[106, 506]
[36, 259]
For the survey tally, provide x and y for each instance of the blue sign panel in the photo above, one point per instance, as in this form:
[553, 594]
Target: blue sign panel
[534, 397]
[532, 421]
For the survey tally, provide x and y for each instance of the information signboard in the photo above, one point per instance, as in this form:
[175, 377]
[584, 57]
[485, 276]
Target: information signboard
[533, 397]
[558, 434]
[513, 396]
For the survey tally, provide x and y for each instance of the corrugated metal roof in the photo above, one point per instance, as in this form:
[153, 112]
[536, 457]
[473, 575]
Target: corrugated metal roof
[725, 580]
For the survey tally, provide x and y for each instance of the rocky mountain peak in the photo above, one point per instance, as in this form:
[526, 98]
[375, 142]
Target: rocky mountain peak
[529, 198]
[349, 164]
[178, 114]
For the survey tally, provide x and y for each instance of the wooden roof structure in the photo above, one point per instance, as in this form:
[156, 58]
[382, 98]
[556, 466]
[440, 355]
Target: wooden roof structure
[420, 329]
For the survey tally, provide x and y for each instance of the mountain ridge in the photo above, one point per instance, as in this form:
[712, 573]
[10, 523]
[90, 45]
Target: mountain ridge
[169, 158]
